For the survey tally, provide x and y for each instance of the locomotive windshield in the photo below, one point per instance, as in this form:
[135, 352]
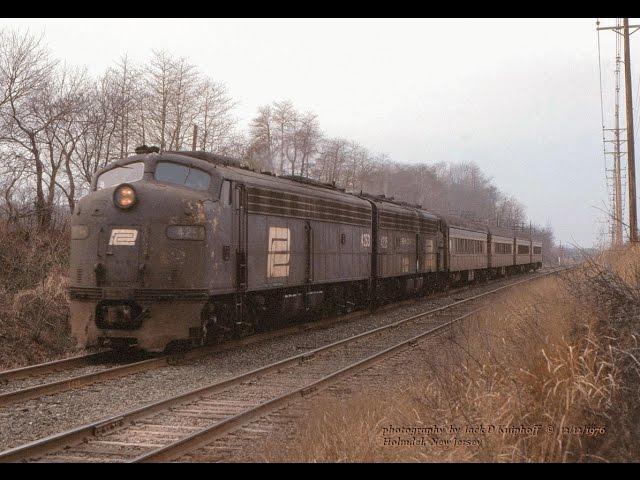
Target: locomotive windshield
[125, 174]
[176, 174]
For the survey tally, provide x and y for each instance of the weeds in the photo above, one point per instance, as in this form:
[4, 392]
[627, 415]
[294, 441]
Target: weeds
[34, 307]
[554, 370]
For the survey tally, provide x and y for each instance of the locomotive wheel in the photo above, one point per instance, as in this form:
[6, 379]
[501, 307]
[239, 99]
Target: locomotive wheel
[217, 323]
[243, 329]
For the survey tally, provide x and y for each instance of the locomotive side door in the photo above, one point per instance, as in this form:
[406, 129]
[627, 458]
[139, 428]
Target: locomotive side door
[419, 253]
[240, 242]
[224, 241]
[240, 229]
[308, 252]
[444, 249]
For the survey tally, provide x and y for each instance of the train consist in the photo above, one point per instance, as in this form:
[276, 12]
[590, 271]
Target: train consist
[178, 248]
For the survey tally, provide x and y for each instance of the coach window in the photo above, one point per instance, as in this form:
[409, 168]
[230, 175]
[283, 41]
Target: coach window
[225, 193]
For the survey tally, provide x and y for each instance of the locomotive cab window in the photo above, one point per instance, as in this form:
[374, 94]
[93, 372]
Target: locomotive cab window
[177, 174]
[130, 173]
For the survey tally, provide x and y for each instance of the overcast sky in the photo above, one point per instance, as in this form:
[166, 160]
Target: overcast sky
[519, 97]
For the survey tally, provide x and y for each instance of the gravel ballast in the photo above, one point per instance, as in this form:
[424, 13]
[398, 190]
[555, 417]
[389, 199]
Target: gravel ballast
[30, 420]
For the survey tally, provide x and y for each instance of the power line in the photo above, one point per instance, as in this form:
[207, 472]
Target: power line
[600, 71]
[602, 124]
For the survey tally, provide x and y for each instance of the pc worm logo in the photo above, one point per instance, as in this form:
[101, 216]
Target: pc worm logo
[123, 237]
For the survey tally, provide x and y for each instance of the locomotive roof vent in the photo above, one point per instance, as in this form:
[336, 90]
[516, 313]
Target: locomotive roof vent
[384, 197]
[209, 157]
[311, 181]
[143, 149]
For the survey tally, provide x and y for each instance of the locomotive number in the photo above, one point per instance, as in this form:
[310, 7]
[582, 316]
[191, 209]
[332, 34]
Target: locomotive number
[406, 241]
[123, 236]
[365, 240]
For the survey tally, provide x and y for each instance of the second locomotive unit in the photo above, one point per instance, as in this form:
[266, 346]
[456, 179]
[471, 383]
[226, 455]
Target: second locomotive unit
[176, 248]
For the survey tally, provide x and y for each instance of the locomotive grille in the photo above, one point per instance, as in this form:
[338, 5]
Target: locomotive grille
[292, 205]
[398, 221]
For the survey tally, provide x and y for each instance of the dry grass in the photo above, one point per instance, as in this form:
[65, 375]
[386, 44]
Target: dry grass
[34, 306]
[562, 354]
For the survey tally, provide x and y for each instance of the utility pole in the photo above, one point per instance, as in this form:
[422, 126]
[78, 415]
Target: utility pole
[623, 30]
[618, 239]
[631, 161]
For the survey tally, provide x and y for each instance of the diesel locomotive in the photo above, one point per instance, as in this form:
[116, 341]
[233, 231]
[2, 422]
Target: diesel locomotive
[178, 248]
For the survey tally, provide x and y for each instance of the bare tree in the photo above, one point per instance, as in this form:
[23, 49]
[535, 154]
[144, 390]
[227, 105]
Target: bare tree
[284, 120]
[261, 137]
[307, 140]
[159, 82]
[26, 72]
[183, 102]
[283, 139]
[64, 136]
[331, 159]
[101, 117]
[125, 78]
[215, 119]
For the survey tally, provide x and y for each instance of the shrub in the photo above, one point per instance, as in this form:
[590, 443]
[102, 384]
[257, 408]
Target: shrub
[34, 307]
[561, 353]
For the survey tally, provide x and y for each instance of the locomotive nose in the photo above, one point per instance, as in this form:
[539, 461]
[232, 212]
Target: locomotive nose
[141, 235]
[137, 254]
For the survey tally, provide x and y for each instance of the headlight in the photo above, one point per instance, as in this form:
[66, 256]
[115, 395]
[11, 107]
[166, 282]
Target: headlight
[124, 196]
[185, 232]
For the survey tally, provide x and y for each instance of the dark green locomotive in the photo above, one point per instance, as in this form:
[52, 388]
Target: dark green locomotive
[180, 247]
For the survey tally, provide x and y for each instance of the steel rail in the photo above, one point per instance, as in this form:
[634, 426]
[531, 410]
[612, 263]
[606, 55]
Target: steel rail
[51, 443]
[52, 366]
[78, 381]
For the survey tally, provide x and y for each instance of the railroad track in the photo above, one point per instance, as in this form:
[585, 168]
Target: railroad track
[71, 374]
[79, 361]
[41, 387]
[164, 430]
[67, 374]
